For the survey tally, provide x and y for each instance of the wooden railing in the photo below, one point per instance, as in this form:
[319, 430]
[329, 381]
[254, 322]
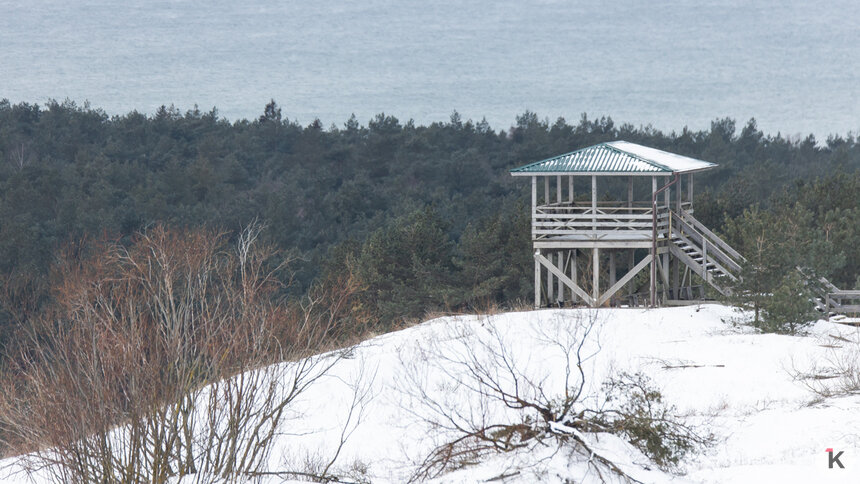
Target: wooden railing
[607, 218]
[713, 237]
[714, 249]
[834, 302]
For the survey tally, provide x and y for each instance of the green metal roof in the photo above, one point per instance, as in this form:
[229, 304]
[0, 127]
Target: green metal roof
[614, 158]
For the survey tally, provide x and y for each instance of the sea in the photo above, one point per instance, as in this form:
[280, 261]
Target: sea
[793, 65]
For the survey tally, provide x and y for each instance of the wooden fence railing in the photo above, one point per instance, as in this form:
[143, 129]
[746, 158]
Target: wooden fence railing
[835, 302]
[566, 219]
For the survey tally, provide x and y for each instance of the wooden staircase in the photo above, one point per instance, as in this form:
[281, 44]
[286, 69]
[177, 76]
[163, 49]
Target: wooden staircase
[838, 305]
[717, 263]
[703, 252]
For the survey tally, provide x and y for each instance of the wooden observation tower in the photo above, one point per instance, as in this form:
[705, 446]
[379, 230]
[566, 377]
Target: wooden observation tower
[580, 241]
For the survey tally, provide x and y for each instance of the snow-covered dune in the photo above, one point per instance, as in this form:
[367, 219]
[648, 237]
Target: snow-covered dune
[739, 384]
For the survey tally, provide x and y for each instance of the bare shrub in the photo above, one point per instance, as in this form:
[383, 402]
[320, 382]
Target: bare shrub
[480, 394]
[837, 372]
[157, 361]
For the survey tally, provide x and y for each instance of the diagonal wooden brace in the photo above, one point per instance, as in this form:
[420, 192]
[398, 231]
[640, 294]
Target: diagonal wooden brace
[563, 277]
[624, 280]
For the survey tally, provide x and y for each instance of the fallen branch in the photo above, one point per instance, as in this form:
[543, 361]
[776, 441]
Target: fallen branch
[675, 367]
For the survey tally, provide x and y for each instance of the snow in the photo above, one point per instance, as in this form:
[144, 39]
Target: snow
[739, 384]
[674, 162]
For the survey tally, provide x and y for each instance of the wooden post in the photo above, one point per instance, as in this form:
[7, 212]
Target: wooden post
[572, 200]
[595, 268]
[667, 240]
[558, 191]
[537, 280]
[676, 277]
[546, 194]
[690, 182]
[631, 261]
[559, 255]
[594, 202]
[537, 251]
[549, 285]
[652, 291]
[675, 263]
[630, 194]
[611, 270]
[560, 290]
[534, 205]
[547, 199]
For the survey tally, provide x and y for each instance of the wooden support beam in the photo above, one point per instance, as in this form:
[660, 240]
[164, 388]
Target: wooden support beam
[591, 243]
[559, 255]
[690, 188]
[630, 193]
[674, 263]
[546, 198]
[570, 189]
[611, 268]
[594, 201]
[624, 280]
[631, 262]
[550, 293]
[550, 267]
[537, 279]
[558, 192]
[595, 269]
[652, 288]
[664, 273]
[534, 202]
[560, 290]
[664, 269]
[573, 273]
[676, 277]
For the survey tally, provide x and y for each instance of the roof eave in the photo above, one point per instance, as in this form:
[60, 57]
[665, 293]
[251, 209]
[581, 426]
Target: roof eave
[609, 173]
[696, 170]
[589, 173]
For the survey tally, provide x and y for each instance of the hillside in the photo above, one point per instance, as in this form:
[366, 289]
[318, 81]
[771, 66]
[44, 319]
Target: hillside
[729, 380]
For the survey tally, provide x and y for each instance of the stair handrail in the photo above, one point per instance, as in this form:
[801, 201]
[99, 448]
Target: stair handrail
[715, 240]
[714, 248]
[707, 259]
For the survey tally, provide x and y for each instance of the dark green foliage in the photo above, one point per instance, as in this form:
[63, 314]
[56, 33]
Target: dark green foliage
[68, 172]
[407, 267]
[638, 412]
[788, 308]
[496, 257]
[786, 255]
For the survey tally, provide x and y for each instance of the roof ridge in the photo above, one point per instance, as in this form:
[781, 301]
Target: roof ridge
[524, 167]
[638, 157]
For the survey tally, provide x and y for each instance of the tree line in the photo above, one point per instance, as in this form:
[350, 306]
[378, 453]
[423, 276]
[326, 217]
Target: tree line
[425, 217]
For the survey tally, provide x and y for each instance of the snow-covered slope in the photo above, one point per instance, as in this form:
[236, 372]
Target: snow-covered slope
[769, 427]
